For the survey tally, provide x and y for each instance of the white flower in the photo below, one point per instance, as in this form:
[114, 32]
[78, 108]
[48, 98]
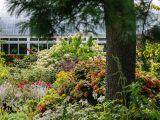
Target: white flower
[95, 95]
[84, 102]
[101, 99]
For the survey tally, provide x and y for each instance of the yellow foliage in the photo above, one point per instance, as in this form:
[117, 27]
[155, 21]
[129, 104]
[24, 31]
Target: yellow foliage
[3, 71]
[63, 77]
[51, 97]
[155, 7]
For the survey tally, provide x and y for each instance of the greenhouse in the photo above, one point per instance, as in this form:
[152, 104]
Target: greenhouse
[18, 43]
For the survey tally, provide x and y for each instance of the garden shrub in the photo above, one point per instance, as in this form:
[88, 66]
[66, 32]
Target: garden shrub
[150, 85]
[4, 73]
[51, 98]
[25, 62]
[73, 47]
[18, 63]
[3, 115]
[92, 72]
[6, 92]
[141, 108]
[15, 95]
[10, 58]
[63, 79]
[67, 82]
[152, 56]
[66, 64]
[36, 73]
[18, 116]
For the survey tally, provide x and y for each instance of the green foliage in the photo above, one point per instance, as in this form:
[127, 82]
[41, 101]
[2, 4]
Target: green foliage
[3, 72]
[10, 58]
[3, 115]
[3, 69]
[25, 62]
[18, 116]
[142, 107]
[152, 55]
[49, 100]
[77, 73]
[139, 109]
[154, 33]
[36, 73]
[30, 58]
[74, 48]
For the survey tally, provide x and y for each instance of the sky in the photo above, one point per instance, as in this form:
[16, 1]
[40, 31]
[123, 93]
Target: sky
[156, 2]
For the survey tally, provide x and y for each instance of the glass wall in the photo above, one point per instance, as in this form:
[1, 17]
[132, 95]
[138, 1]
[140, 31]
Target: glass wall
[22, 48]
[22, 45]
[13, 48]
[42, 46]
[34, 47]
[5, 48]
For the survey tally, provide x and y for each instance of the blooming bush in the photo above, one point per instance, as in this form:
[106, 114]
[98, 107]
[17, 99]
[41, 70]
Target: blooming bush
[93, 72]
[6, 91]
[150, 86]
[68, 82]
[85, 80]
[34, 90]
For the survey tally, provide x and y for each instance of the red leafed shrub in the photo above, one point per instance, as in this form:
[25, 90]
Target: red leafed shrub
[13, 56]
[150, 85]
[41, 108]
[84, 80]
[93, 71]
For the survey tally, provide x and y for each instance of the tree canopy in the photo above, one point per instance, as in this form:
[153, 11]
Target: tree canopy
[48, 17]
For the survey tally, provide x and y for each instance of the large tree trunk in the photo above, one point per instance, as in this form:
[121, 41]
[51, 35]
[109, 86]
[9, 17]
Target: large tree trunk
[121, 46]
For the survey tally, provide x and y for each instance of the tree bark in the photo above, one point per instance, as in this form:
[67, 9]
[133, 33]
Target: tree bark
[121, 46]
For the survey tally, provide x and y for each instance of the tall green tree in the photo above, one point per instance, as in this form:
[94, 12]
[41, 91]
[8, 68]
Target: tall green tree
[49, 16]
[121, 44]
